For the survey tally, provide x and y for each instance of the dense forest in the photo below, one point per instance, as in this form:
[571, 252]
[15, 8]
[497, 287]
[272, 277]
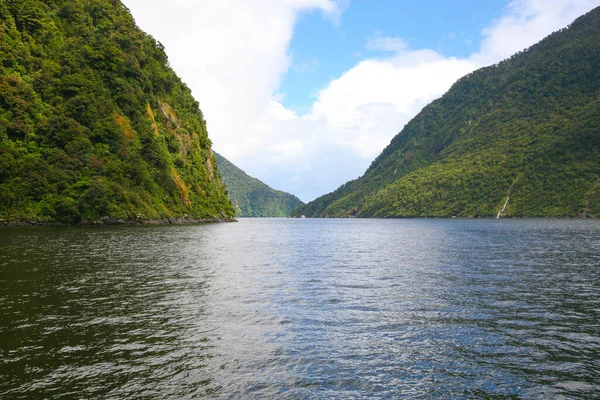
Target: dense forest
[94, 124]
[519, 138]
[251, 197]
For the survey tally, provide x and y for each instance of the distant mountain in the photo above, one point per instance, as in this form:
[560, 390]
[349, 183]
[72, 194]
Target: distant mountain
[520, 138]
[94, 124]
[251, 197]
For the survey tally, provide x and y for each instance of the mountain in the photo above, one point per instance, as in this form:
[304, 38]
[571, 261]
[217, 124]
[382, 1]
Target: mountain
[94, 124]
[519, 138]
[253, 198]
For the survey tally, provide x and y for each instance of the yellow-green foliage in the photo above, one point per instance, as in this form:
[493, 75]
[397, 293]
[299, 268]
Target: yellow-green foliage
[94, 123]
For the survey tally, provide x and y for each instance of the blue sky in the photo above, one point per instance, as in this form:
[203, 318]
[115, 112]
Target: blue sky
[322, 49]
[304, 94]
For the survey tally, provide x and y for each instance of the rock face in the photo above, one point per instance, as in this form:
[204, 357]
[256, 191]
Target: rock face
[251, 197]
[520, 138]
[94, 124]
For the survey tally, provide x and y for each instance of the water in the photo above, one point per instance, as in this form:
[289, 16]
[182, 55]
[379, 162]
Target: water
[302, 309]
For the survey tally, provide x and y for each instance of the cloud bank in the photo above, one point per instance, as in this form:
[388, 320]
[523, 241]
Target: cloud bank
[233, 54]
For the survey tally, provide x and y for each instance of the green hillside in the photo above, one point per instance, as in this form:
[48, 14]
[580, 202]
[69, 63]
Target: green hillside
[251, 197]
[93, 121]
[524, 134]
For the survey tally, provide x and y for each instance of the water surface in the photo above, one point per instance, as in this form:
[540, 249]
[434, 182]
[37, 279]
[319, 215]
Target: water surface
[287, 308]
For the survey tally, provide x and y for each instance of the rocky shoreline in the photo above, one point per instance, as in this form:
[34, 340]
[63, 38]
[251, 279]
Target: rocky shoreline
[120, 221]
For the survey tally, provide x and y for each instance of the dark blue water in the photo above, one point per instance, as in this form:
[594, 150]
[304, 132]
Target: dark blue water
[303, 309]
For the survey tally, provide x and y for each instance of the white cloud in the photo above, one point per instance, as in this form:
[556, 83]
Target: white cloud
[525, 23]
[386, 43]
[231, 53]
[371, 102]
[234, 54]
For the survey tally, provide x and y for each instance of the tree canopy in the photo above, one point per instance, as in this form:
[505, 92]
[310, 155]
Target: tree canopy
[251, 197]
[519, 138]
[93, 121]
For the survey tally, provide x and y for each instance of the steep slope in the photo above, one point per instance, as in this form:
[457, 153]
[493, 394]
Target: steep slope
[520, 138]
[253, 198]
[93, 121]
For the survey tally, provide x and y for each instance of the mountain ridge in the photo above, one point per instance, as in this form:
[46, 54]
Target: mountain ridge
[94, 124]
[525, 129]
[251, 197]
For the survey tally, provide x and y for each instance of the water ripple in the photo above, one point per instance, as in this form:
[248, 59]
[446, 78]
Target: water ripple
[303, 309]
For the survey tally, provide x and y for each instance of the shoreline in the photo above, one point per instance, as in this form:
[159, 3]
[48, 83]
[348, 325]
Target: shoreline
[108, 221]
[582, 217]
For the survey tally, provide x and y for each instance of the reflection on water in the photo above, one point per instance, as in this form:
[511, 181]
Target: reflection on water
[303, 309]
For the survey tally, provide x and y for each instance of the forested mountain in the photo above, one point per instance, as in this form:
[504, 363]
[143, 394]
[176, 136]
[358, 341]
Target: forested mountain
[520, 138]
[251, 197]
[94, 124]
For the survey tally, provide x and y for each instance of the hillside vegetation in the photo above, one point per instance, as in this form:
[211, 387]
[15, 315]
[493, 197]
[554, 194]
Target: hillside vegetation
[251, 197]
[93, 121]
[520, 138]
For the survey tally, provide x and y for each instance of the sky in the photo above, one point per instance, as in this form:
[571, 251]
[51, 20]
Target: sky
[304, 94]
